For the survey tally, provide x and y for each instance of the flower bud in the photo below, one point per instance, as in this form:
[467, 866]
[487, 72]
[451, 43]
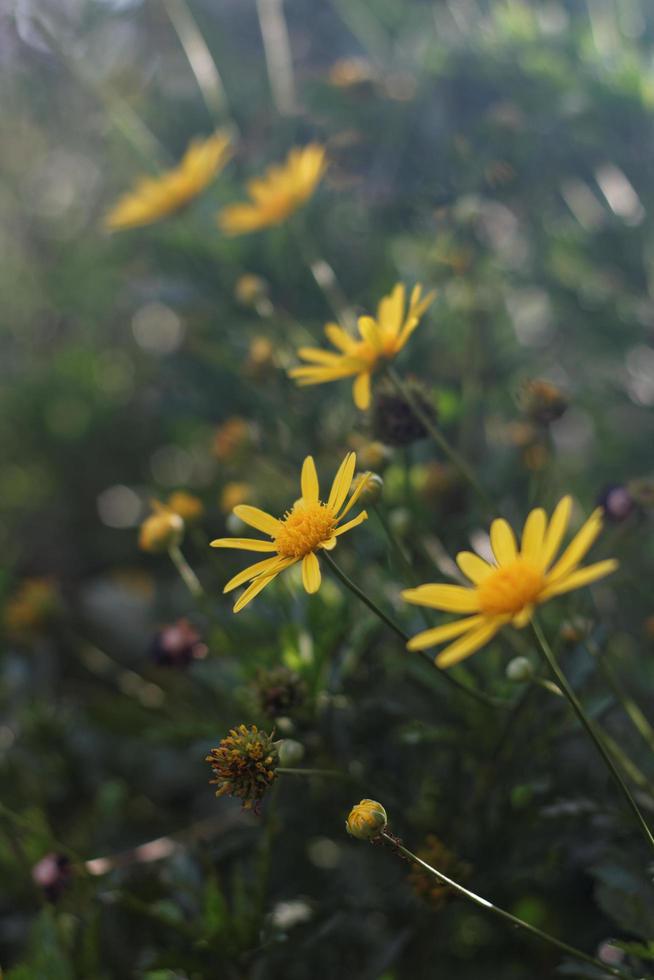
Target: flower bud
[520, 670]
[372, 486]
[542, 401]
[367, 820]
[394, 422]
[618, 503]
[162, 530]
[290, 752]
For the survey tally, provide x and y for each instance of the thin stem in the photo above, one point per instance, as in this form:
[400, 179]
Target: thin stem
[455, 458]
[633, 711]
[563, 684]
[360, 594]
[199, 58]
[502, 914]
[324, 276]
[330, 773]
[191, 581]
[277, 51]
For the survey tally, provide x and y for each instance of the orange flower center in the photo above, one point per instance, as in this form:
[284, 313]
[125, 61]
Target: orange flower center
[510, 588]
[304, 528]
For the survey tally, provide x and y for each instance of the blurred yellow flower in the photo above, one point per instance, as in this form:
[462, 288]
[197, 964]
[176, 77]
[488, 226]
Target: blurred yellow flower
[281, 191]
[189, 507]
[30, 609]
[509, 591]
[380, 339]
[309, 526]
[153, 198]
[161, 530]
[234, 493]
[232, 438]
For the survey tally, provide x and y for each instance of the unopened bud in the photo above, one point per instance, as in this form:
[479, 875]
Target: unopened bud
[367, 820]
[520, 670]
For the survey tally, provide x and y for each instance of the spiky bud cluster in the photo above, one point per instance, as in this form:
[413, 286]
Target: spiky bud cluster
[244, 765]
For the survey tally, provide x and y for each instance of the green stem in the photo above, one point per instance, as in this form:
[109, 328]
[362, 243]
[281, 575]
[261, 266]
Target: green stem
[592, 731]
[360, 594]
[633, 711]
[330, 773]
[455, 458]
[190, 579]
[200, 59]
[502, 914]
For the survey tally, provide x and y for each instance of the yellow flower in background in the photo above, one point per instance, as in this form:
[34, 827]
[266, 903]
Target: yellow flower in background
[153, 198]
[309, 526]
[161, 530]
[281, 191]
[509, 591]
[33, 605]
[189, 507]
[232, 494]
[379, 339]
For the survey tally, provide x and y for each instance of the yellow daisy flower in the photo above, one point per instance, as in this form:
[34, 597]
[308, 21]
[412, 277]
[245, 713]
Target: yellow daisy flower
[156, 197]
[379, 339]
[281, 191]
[305, 529]
[509, 591]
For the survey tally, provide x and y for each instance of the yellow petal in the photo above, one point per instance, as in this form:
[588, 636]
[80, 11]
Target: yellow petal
[258, 518]
[523, 617]
[356, 493]
[342, 482]
[253, 571]
[245, 544]
[473, 567]
[253, 589]
[533, 534]
[580, 544]
[359, 519]
[309, 481]
[339, 338]
[439, 634]
[502, 541]
[369, 331]
[583, 576]
[311, 573]
[468, 644]
[318, 356]
[555, 532]
[391, 309]
[447, 598]
[361, 391]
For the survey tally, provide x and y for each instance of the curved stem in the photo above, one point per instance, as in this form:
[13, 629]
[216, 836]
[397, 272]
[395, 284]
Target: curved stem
[563, 684]
[190, 579]
[360, 594]
[331, 773]
[507, 916]
[455, 458]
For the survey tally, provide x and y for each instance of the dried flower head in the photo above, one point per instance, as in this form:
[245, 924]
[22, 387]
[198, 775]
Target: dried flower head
[367, 820]
[393, 420]
[244, 765]
[279, 691]
[425, 885]
[542, 401]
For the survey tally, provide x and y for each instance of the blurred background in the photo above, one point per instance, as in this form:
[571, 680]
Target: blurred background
[499, 151]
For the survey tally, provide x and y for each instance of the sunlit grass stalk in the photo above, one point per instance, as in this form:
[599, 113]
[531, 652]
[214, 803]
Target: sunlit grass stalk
[279, 58]
[360, 594]
[324, 276]
[444, 445]
[503, 914]
[188, 576]
[591, 729]
[200, 59]
[630, 707]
